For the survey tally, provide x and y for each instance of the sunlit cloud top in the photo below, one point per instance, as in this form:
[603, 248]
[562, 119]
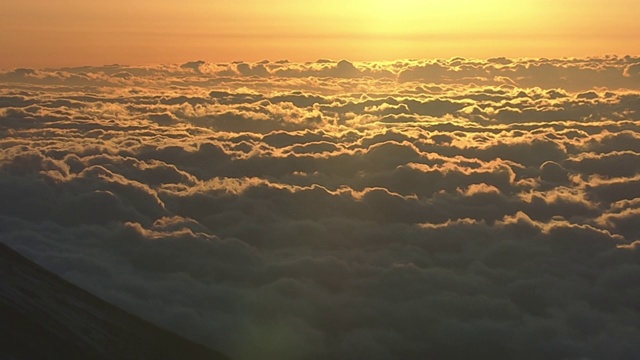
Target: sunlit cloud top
[336, 209]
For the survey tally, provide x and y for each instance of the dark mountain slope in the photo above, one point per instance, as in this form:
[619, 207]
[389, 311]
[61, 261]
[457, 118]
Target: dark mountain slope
[45, 317]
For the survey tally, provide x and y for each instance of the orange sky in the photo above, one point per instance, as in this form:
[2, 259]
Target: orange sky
[41, 33]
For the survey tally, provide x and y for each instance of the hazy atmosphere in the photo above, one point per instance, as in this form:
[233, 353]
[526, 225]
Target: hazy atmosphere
[481, 206]
[43, 33]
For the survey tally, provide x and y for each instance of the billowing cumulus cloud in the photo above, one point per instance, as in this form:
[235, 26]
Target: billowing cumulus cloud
[446, 209]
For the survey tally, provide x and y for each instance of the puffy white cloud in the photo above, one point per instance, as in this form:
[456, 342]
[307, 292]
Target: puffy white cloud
[451, 208]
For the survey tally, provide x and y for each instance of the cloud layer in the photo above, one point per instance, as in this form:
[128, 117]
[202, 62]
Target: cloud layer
[450, 208]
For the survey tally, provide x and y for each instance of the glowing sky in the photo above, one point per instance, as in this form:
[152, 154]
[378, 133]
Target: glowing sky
[40, 33]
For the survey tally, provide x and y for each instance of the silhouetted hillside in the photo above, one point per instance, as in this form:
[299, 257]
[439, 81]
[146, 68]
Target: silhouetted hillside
[46, 317]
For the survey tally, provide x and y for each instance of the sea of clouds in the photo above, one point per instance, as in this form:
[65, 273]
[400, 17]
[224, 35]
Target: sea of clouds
[445, 209]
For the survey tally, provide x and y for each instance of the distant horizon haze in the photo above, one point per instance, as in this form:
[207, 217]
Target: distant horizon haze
[43, 34]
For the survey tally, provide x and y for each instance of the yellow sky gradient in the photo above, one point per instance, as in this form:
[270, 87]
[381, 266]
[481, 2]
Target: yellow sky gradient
[44, 33]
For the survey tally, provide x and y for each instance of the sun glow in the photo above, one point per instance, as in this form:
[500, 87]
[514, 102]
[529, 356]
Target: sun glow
[420, 17]
[67, 32]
